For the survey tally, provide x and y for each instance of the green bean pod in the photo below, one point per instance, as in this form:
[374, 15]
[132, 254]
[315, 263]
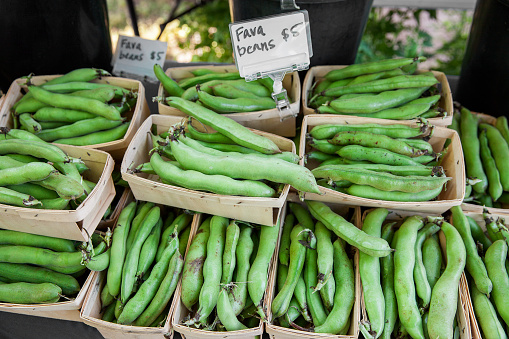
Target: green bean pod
[374, 140]
[422, 286]
[478, 234]
[470, 143]
[34, 274]
[369, 270]
[226, 126]
[95, 138]
[164, 292]
[72, 102]
[325, 254]
[495, 259]
[226, 105]
[376, 155]
[257, 277]
[502, 126]
[170, 85]
[474, 265]
[182, 221]
[368, 103]
[29, 293]
[490, 168]
[230, 247]
[486, 315]
[135, 306]
[344, 297]
[396, 170]
[387, 280]
[79, 128]
[212, 269]
[133, 254]
[282, 300]
[369, 192]
[149, 249]
[328, 131]
[14, 198]
[500, 151]
[37, 149]
[226, 314]
[227, 90]
[193, 81]
[245, 246]
[370, 245]
[192, 275]
[29, 123]
[371, 67]
[404, 261]
[444, 297]
[382, 85]
[381, 180]
[314, 301]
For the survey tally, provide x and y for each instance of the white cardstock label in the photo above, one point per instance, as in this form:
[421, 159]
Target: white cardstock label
[271, 43]
[135, 55]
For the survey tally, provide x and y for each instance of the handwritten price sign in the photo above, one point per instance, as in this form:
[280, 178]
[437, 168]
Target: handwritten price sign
[138, 56]
[271, 43]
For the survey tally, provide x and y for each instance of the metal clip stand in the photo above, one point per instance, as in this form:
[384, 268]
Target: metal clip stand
[281, 97]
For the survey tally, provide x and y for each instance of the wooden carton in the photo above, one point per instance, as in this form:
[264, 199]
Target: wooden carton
[263, 211]
[91, 312]
[462, 312]
[452, 163]
[317, 73]
[115, 148]
[181, 312]
[278, 332]
[91, 315]
[76, 224]
[267, 120]
[64, 310]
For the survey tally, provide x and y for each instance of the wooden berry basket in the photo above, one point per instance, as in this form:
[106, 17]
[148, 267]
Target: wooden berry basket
[145, 187]
[180, 312]
[279, 332]
[116, 148]
[267, 120]
[76, 224]
[452, 163]
[463, 314]
[317, 73]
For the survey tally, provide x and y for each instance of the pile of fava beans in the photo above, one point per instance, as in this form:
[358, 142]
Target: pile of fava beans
[220, 92]
[36, 269]
[146, 259]
[386, 89]
[232, 161]
[71, 109]
[486, 152]
[226, 274]
[37, 174]
[383, 162]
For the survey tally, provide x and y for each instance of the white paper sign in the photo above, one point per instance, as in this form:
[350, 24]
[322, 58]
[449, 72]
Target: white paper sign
[135, 55]
[271, 43]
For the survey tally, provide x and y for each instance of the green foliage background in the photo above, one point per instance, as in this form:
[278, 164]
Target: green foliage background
[390, 32]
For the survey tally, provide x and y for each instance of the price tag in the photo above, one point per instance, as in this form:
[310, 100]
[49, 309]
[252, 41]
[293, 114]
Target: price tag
[270, 47]
[273, 43]
[137, 56]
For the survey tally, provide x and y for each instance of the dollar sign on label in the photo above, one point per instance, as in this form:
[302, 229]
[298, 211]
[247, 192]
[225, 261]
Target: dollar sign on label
[285, 35]
[152, 55]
